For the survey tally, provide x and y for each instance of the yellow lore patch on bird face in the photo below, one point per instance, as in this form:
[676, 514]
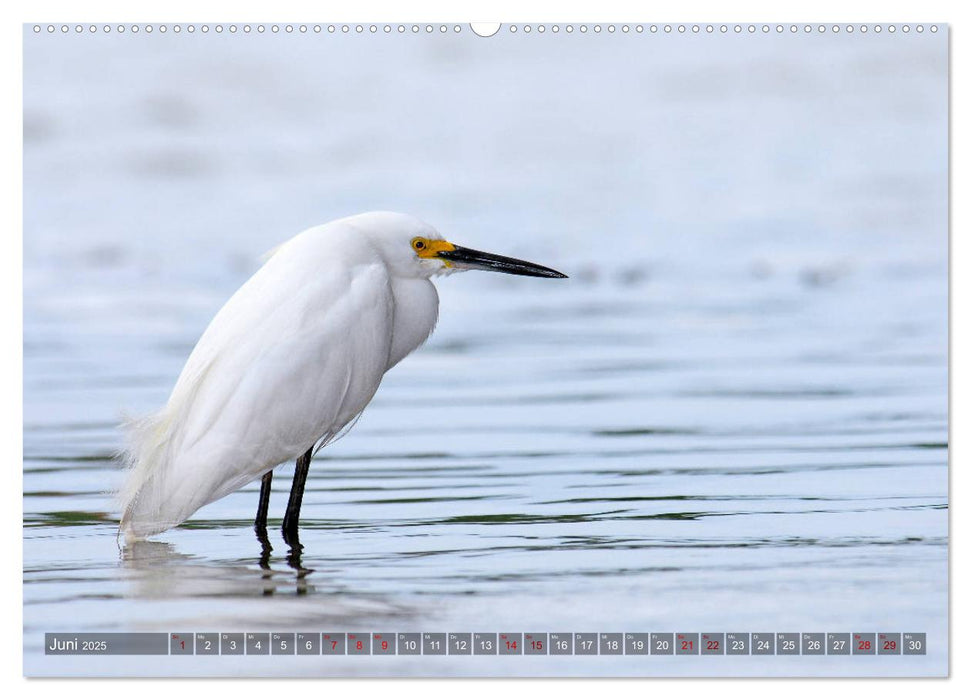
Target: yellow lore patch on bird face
[428, 248]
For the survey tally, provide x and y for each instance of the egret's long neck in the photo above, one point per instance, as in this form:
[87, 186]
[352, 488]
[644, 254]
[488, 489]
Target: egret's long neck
[415, 315]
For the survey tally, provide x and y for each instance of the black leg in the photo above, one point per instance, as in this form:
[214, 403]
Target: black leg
[291, 520]
[261, 509]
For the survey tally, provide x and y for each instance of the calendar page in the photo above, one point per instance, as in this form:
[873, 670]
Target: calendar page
[545, 349]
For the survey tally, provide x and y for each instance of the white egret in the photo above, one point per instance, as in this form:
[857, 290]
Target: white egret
[290, 362]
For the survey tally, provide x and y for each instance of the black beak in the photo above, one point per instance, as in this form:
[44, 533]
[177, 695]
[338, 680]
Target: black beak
[477, 260]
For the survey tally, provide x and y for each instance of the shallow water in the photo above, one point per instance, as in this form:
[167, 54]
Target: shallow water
[732, 417]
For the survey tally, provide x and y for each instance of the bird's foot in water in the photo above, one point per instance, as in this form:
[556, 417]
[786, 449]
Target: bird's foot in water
[265, 548]
[291, 533]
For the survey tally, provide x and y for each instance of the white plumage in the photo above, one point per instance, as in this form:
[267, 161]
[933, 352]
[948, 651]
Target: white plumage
[291, 359]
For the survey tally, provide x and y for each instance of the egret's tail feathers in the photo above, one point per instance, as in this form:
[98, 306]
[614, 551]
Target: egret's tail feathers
[145, 508]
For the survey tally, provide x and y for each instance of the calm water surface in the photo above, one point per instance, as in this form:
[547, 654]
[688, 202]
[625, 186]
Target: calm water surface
[732, 417]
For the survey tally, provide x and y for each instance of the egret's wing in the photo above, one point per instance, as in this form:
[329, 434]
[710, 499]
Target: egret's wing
[289, 359]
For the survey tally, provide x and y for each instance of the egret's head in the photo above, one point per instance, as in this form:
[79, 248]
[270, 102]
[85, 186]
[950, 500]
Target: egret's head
[412, 248]
[438, 256]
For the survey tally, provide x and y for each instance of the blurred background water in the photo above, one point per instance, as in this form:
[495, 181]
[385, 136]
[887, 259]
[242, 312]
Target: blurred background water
[732, 417]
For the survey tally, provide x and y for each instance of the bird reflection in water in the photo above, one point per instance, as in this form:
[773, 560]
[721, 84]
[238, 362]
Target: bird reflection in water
[160, 571]
[294, 559]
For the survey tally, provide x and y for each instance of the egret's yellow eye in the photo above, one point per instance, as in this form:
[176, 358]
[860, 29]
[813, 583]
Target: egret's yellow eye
[429, 248]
